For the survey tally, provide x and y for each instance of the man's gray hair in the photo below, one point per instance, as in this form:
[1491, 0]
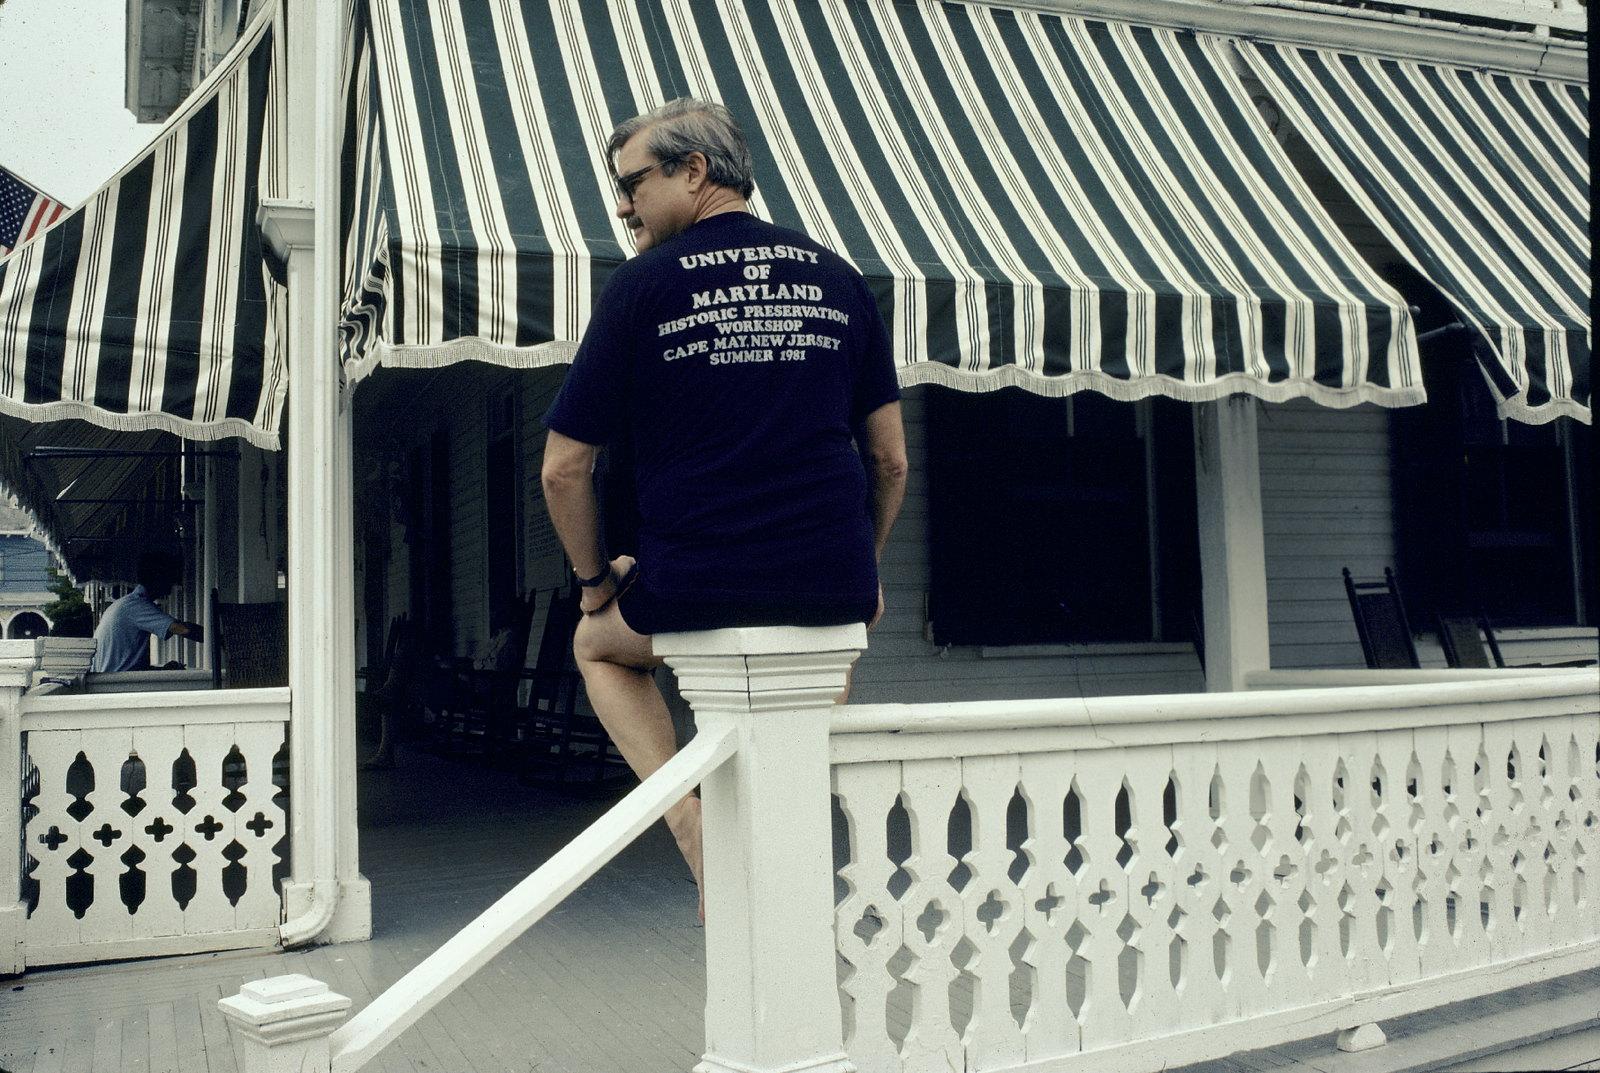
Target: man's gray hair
[688, 125]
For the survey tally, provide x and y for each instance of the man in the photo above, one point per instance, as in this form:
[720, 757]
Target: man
[122, 640]
[745, 365]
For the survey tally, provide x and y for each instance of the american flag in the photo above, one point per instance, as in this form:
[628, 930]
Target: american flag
[24, 212]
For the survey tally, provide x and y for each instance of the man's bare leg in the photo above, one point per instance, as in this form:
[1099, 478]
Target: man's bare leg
[617, 666]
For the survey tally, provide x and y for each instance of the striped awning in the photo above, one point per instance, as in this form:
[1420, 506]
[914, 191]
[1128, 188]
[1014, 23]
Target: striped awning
[149, 306]
[1482, 182]
[1036, 199]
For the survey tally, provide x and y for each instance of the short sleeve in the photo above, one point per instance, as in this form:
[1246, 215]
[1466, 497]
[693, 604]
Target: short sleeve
[150, 618]
[876, 383]
[591, 406]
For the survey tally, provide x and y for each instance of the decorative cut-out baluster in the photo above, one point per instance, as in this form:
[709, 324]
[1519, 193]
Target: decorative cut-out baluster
[865, 793]
[993, 1039]
[1500, 794]
[930, 789]
[155, 831]
[1396, 844]
[108, 828]
[1198, 860]
[211, 828]
[1048, 890]
[1325, 858]
[1102, 902]
[1152, 876]
[258, 823]
[54, 835]
[1247, 874]
[1365, 959]
[1283, 868]
[1434, 841]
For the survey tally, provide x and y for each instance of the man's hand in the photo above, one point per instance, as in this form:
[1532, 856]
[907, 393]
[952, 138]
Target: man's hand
[189, 631]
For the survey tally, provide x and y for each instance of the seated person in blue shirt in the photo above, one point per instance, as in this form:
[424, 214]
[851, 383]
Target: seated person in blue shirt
[745, 364]
[122, 640]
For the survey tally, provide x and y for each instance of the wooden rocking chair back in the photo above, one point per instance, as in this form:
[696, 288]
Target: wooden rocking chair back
[1381, 624]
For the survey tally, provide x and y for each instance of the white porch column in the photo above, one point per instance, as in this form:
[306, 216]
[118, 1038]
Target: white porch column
[1233, 566]
[772, 998]
[321, 665]
[17, 661]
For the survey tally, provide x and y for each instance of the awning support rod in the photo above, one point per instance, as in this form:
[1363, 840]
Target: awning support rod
[119, 452]
[1453, 326]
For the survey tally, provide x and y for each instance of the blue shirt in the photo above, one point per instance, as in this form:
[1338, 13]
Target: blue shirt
[739, 358]
[121, 641]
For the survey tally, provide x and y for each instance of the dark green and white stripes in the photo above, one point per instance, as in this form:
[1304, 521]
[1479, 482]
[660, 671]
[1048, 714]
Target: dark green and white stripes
[1038, 200]
[148, 306]
[1481, 180]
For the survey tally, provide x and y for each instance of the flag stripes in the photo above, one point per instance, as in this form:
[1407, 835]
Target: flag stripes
[149, 307]
[1480, 180]
[1036, 199]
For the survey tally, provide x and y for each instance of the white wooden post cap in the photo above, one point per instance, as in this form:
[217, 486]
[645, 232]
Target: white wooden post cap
[761, 640]
[283, 1009]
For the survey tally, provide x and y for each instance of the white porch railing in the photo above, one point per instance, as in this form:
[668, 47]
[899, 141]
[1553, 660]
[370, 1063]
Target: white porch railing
[1127, 883]
[1111, 883]
[149, 823]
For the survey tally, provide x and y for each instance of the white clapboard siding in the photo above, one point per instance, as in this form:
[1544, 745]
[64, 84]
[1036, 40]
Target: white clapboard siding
[902, 665]
[1325, 505]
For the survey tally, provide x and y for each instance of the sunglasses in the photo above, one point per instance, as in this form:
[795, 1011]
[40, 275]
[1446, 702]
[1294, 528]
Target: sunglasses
[627, 184]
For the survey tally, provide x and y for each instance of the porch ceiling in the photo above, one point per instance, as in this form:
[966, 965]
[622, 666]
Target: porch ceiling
[98, 539]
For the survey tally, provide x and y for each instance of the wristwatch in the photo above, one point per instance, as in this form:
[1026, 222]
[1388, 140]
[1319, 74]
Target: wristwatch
[593, 582]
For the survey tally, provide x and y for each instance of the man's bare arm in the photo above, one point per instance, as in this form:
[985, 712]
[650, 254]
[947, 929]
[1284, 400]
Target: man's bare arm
[568, 479]
[191, 630]
[885, 454]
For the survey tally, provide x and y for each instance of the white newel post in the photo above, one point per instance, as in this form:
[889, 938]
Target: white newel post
[17, 662]
[1233, 565]
[772, 999]
[283, 1023]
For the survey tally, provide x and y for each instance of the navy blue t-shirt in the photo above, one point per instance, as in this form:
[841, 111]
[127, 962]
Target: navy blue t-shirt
[738, 358]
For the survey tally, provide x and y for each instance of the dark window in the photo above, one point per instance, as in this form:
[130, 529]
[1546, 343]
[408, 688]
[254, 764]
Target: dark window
[502, 502]
[1488, 512]
[1060, 520]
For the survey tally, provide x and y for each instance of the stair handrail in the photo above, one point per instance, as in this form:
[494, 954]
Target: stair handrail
[360, 1039]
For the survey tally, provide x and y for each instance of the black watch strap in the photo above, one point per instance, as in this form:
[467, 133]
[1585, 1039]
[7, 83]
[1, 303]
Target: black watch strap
[598, 579]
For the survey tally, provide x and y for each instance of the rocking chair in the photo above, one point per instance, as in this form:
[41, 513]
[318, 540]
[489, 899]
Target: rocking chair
[1386, 639]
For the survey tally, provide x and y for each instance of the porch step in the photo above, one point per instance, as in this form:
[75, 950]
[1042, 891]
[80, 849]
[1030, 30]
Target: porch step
[1550, 1020]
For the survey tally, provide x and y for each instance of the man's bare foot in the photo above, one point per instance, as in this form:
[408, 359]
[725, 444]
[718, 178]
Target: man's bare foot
[683, 820]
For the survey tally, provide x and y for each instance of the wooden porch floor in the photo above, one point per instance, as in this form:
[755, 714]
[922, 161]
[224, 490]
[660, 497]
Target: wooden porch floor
[612, 982]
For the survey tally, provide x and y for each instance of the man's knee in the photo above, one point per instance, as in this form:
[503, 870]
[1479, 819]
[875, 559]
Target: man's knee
[587, 643]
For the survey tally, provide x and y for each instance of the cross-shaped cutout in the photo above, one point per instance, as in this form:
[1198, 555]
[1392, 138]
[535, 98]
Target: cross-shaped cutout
[53, 838]
[106, 835]
[1102, 897]
[260, 825]
[209, 827]
[1325, 863]
[990, 912]
[1152, 889]
[1049, 903]
[1285, 869]
[160, 829]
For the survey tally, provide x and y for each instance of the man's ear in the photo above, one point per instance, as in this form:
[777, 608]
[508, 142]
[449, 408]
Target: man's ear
[695, 164]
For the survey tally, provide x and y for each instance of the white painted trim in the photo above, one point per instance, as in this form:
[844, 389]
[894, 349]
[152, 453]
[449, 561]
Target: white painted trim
[1206, 710]
[1335, 677]
[1348, 29]
[158, 946]
[77, 711]
[1221, 1040]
